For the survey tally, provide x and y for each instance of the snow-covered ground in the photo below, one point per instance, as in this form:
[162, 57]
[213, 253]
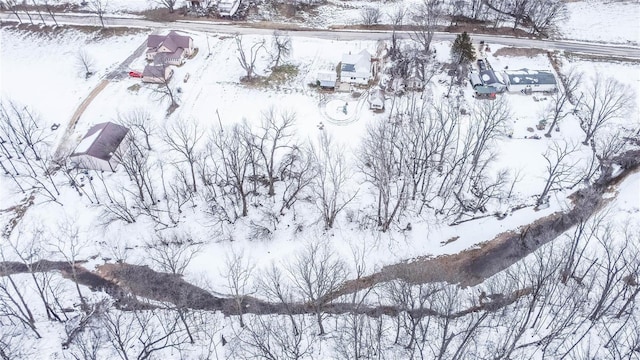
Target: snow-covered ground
[39, 72]
[213, 90]
[614, 21]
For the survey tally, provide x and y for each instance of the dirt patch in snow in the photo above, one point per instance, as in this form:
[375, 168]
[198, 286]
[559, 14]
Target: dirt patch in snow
[515, 51]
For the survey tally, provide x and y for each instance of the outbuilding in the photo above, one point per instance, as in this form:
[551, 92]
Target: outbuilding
[525, 80]
[327, 79]
[96, 151]
[376, 99]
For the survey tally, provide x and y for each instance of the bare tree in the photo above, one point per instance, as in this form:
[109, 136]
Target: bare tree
[280, 48]
[165, 90]
[28, 247]
[234, 153]
[317, 271]
[134, 158]
[297, 171]
[183, 137]
[238, 272]
[545, 15]
[380, 160]
[560, 169]
[14, 308]
[396, 17]
[272, 337]
[70, 243]
[605, 100]
[139, 120]
[99, 7]
[333, 175]
[12, 5]
[87, 344]
[23, 144]
[489, 123]
[12, 342]
[426, 17]
[49, 6]
[562, 98]
[85, 63]
[173, 251]
[274, 135]
[143, 334]
[247, 59]
[169, 4]
[370, 15]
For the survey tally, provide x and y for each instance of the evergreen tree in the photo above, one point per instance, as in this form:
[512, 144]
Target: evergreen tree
[462, 50]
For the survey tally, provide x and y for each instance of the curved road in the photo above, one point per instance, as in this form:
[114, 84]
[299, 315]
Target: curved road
[246, 29]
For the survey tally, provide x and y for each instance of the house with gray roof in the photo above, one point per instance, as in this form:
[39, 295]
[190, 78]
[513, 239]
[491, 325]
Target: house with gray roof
[96, 151]
[170, 49]
[357, 68]
[525, 80]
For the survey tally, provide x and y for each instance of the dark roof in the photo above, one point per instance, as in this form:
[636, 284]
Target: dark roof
[348, 67]
[104, 139]
[530, 77]
[172, 41]
[154, 71]
[485, 89]
[161, 58]
[488, 77]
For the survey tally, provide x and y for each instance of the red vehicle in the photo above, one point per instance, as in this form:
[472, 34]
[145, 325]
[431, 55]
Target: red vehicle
[135, 74]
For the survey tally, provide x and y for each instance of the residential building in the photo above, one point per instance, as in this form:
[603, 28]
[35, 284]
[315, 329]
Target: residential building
[96, 151]
[525, 80]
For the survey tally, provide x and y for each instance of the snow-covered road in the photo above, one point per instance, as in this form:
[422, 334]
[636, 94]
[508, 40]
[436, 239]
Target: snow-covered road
[599, 49]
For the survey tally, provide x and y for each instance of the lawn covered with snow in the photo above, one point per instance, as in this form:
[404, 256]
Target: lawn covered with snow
[40, 73]
[212, 97]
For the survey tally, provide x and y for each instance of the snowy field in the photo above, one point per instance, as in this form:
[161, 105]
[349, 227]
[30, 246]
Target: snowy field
[586, 21]
[213, 93]
[34, 68]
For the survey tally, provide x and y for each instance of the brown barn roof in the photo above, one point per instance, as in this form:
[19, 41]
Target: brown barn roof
[101, 141]
[172, 41]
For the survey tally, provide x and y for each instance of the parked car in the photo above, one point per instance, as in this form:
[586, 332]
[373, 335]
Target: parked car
[482, 65]
[135, 74]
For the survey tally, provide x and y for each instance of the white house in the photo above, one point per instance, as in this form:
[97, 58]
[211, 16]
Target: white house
[157, 74]
[357, 69]
[525, 80]
[96, 150]
[170, 49]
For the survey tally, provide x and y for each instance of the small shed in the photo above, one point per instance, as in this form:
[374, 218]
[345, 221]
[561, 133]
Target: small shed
[474, 79]
[327, 79]
[96, 151]
[376, 99]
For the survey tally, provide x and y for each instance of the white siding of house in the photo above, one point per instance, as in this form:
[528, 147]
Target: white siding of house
[88, 162]
[354, 77]
[533, 87]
